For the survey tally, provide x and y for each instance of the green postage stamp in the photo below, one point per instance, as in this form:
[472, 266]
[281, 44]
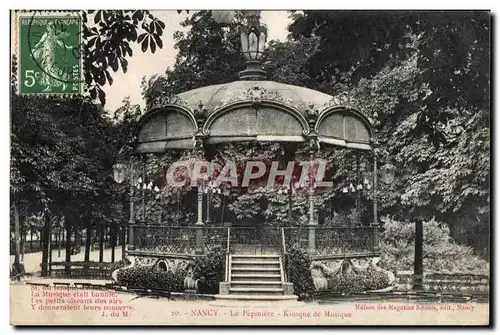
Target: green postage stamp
[49, 52]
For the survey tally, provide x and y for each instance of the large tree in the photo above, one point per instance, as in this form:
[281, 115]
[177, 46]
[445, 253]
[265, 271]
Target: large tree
[452, 51]
[208, 54]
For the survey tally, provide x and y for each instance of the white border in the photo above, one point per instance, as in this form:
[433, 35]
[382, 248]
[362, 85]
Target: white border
[194, 4]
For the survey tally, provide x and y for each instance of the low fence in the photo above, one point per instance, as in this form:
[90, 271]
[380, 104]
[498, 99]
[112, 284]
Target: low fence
[182, 239]
[177, 239]
[265, 239]
[164, 239]
[449, 283]
[88, 270]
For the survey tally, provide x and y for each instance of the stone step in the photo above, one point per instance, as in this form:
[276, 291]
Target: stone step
[255, 277]
[254, 270]
[256, 291]
[264, 299]
[255, 258]
[256, 303]
[250, 282]
[253, 261]
[255, 266]
[255, 284]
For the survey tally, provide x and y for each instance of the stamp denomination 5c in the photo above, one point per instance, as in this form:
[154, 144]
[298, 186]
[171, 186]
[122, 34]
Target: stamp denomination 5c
[49, 53]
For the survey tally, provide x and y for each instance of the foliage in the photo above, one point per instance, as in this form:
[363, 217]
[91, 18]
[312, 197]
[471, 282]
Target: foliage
[452, 51]
[299, 272]
[209, 269]
[447, 180]
[342, 218]
[351, 279]
[455, 64]
[208, 54]
[368, 39]
[286, 62]
[62, 153]
[149, 277]
[440, 252]
[108, 36]
[119, 264]
[66, 132]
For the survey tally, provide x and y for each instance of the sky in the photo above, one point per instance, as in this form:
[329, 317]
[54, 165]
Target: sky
[147, 64]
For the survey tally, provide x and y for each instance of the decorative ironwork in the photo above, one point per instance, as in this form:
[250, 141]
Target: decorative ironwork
[164, 239]
[333, 240]
[181, 240]
[255, 94]
[268, 239]
[177, 240]
[214, 238]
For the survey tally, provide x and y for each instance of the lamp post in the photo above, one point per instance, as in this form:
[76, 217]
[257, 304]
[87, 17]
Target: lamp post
[387, 176]
[120, 173]
[253, 40]
[211, 188]
[225, 193]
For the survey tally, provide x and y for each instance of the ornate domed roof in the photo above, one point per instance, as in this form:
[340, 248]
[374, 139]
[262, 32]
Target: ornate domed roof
[252, 109]
[215, 96]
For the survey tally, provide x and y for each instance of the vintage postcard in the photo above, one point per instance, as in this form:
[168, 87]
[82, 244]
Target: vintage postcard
[248, 167]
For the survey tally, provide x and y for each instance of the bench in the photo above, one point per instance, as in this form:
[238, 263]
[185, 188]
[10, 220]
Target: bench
[93, 270]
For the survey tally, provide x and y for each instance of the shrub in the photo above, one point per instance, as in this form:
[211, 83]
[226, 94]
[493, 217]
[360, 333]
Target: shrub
[440, 252]
[209, 270]
[299, 273]
[149, 277]
[120, 264]
[358, 280]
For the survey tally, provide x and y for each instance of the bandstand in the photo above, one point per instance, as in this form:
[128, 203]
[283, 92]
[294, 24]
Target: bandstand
[251, 109]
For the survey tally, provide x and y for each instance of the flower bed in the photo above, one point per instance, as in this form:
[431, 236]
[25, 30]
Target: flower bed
[358, 280]
[209, 271]
[348, 278]
[150, 277]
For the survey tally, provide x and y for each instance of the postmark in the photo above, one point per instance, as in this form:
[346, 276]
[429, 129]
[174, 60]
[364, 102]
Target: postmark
[49, 49]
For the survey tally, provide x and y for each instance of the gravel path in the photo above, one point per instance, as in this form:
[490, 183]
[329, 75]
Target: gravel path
[32, 261]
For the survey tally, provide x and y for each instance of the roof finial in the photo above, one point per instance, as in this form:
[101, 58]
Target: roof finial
[253, 41]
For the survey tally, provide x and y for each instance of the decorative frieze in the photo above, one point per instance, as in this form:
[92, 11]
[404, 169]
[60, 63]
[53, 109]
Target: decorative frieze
[163, 100]
[343, 99]
[255, 94]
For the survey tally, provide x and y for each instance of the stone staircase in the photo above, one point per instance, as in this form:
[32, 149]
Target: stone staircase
[256, 277]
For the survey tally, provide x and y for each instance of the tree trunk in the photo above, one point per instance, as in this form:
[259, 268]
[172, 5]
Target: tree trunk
[418, 269]
[31, 239]
[17, 267]
[68, 223]
[17, 252]
[88, 242]
[123, 241]
[46, 244]
[101, 243]
[50, 248]
[113, 242]
[23, 238]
